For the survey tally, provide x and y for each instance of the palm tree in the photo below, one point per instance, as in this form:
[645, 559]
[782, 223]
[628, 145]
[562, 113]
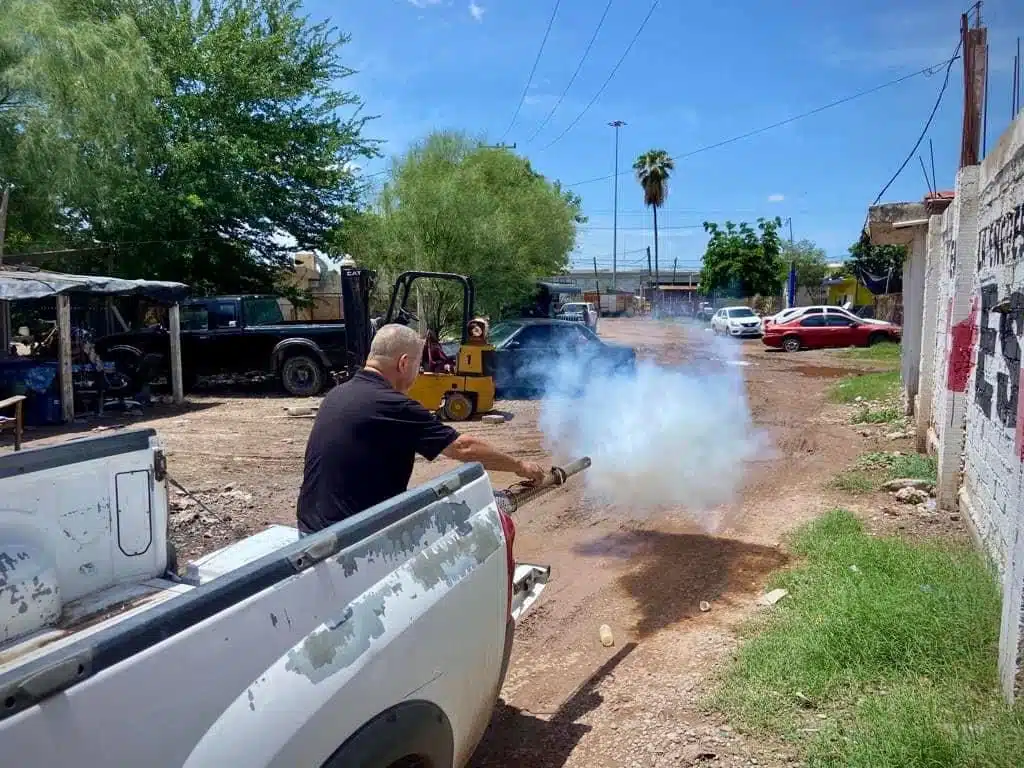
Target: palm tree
[653, 168]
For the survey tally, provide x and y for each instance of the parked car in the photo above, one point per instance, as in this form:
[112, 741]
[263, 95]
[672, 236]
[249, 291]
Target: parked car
[535, 355]
[579, 312]
[818, 330]
[237, 335]
[381, 641]
[705, 312]
[740, 322]
[819, 309]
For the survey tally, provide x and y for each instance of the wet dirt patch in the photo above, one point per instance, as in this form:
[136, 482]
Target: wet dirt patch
[822, 371]
[679, 570]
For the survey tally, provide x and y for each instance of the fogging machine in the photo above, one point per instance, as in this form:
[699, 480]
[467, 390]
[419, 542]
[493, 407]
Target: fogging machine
[512, 498]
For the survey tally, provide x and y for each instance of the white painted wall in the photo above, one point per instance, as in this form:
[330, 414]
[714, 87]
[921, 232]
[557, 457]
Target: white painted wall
[971, 374]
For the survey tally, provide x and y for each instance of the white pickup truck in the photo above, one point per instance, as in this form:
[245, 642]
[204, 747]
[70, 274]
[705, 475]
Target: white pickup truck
[381, 642]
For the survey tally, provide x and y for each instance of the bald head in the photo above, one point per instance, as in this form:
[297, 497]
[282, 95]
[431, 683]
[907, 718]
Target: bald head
[395, 353]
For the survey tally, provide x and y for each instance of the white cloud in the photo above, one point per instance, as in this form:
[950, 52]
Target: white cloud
[424, 3]
[776, 198]
[476, 11]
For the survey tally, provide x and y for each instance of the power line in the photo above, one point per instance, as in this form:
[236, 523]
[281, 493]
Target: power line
[533, 70]
[108, 246]
[589, 228]
[575, 74]
[611, 74]
[925, 71]
[927, 125]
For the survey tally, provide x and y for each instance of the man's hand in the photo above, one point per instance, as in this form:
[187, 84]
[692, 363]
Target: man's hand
[469, 448]
[532, 472]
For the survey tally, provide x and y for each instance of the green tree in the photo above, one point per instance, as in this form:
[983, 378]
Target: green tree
[451, 205]
[653, 169]
[741, 261]
[247, 138]
[809, 260]
[875, 259]
[76, 93]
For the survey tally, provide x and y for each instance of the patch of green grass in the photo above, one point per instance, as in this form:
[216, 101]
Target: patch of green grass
[874, 469]
[883, 352]
[853, 481]
[884, 415]
[883, 655]
[867, 386]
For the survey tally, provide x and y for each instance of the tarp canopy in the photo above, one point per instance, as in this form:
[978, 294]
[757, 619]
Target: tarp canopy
[560, 287]
[18, 286]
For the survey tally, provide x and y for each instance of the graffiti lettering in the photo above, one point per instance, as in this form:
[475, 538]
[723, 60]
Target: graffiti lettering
[986, 347]
[1011, 326]
[949, 243]
[1002, 241]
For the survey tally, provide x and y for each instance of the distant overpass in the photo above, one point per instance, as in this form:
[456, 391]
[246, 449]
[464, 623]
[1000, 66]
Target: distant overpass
[626, 280]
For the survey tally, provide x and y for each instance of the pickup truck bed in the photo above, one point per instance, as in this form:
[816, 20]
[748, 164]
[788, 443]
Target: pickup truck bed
[382, 638]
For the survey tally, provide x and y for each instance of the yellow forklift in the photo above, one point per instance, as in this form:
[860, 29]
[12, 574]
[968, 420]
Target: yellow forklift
[455, 387]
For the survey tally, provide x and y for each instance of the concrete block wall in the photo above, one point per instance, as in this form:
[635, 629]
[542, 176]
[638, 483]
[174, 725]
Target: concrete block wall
[995, 419]
[972, 412]
[944, 243]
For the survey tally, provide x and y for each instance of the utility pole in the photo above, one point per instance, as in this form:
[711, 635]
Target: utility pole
[789, 297]
[650, 276]
[974, 41]
[597, 281]
[616, 124]
[675, 261]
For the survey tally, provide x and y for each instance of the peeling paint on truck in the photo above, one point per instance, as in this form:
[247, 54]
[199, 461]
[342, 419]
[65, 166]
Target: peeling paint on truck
[333, 647]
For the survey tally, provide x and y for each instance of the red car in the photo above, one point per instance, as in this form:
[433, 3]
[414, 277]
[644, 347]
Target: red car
[820, 331]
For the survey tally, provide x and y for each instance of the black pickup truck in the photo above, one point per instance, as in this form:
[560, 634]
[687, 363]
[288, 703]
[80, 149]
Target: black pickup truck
[241, 334]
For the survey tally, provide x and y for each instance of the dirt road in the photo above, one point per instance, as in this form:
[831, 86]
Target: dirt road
[569, 701]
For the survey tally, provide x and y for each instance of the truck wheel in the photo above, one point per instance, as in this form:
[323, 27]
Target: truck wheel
[457, 407]
[302, 376]
[791, 344]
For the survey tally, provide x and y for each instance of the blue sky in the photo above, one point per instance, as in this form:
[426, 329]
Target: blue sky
[698, 74]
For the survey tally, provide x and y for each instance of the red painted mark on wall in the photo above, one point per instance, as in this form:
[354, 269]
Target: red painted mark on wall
[962, 338]
[1019, 435]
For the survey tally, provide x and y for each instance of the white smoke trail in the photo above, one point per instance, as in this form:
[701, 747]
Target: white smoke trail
[678, 436]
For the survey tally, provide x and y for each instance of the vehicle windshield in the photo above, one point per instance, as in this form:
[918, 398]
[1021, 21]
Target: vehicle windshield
[574, 307]
[501, 331]
[741, 312]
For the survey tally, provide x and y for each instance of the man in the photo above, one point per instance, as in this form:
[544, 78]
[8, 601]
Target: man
[368, 431]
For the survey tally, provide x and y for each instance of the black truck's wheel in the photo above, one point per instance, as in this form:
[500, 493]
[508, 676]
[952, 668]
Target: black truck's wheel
[302, 376]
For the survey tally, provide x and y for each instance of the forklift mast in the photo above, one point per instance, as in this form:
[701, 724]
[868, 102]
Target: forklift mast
[403, 287]
[356, 286]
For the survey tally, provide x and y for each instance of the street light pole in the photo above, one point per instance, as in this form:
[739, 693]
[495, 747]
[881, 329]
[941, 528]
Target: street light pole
[616, 124]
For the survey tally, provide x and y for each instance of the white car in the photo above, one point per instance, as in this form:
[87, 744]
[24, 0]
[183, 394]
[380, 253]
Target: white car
[819, 309]
[736, 321]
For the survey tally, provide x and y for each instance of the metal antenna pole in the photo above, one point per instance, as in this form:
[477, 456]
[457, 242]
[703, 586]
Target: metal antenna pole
[616, 124]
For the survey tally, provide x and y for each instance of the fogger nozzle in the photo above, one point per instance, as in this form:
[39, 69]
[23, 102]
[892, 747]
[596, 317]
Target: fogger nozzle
[510, 499]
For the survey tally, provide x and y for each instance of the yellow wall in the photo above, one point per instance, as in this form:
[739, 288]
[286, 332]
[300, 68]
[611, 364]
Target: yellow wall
[850, 289]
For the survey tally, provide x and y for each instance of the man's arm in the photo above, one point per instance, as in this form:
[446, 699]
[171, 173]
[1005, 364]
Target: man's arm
[467, 448]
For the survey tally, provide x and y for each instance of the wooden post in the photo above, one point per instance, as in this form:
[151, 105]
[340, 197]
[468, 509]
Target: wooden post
[177, 388]
[67, 390]
[5, 306]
